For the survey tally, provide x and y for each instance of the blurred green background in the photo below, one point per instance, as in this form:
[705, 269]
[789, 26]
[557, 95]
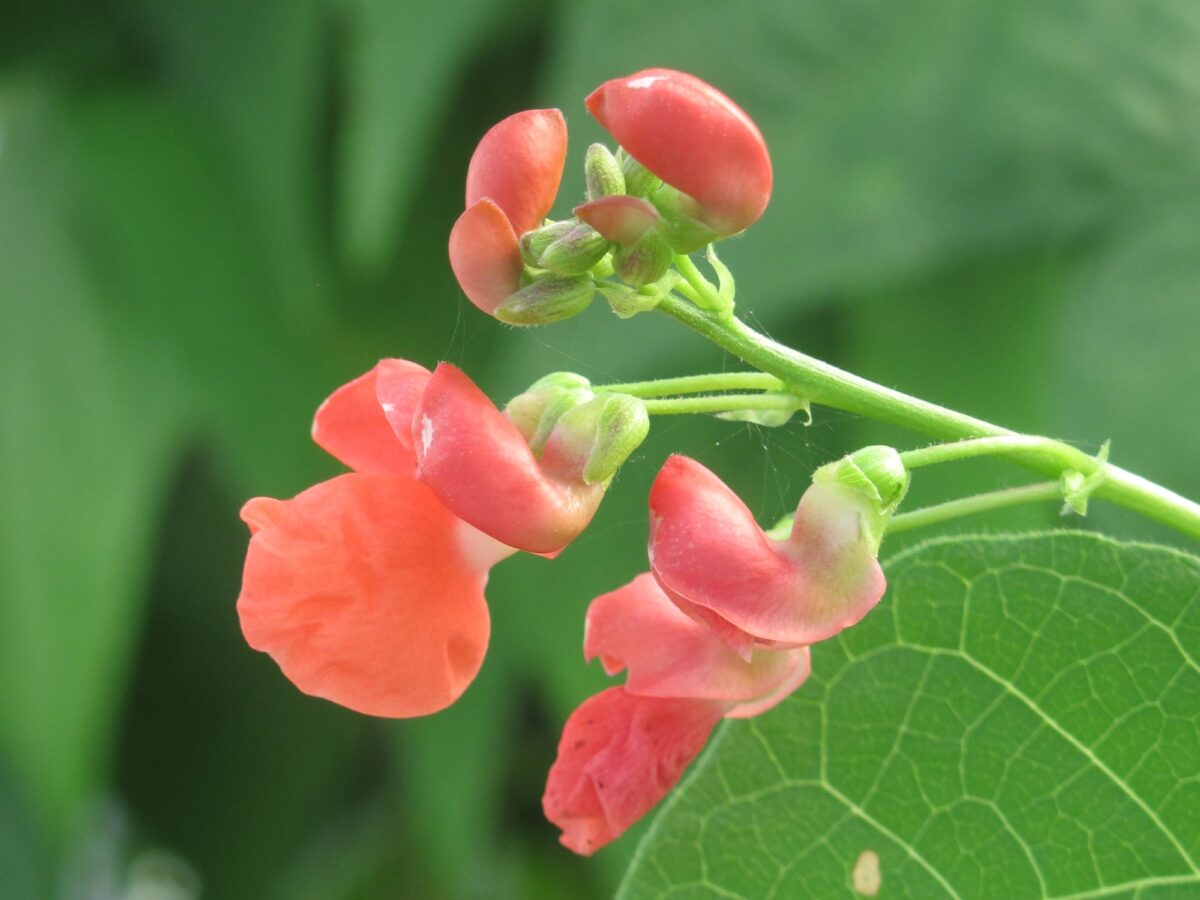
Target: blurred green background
[212, 212]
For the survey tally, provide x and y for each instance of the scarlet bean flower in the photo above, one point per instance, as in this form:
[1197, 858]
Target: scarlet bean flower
[719, 566]
[692, 168]
[367, 589]
[625, 748]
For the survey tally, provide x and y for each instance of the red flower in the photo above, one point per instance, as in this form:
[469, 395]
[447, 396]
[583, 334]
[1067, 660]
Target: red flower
[367, 589]
[512, 181]
[714, 561]
[625, 748]
[694, 138]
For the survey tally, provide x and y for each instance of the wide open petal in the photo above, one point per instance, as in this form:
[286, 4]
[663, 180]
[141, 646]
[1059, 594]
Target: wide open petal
[485, 256]
[694, 138]
[352, 427]
[518, 165]
[619, 755]
[715, 562]
[367, 592]
[669, 654]
[480, 466]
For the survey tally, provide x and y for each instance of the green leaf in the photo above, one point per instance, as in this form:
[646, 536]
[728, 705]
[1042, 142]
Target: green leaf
[1019, 718]
[403, 61]
[86, 444]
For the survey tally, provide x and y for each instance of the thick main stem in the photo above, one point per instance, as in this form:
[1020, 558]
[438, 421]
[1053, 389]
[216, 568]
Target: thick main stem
[830, 386]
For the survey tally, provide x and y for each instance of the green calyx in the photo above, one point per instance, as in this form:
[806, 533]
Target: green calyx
[593, 439]
[537, 410]
[876, 479]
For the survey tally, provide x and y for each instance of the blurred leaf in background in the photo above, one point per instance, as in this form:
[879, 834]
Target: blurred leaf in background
[213, 213]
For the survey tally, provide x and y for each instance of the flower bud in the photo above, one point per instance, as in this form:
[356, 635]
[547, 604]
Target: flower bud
[645, 261]
[549, 299]
[694, 138]
[639, 181]
[876, 479]
[534, 243]
[575, 252]
[603, 173]
[621, 219]
[628, 301]
[592, 440]
[537, 410]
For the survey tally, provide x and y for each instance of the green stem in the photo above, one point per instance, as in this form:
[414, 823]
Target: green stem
[1066, 456]
[830, 386]
[710, 298]
[719, 403]
[695, 384]
[969, 506]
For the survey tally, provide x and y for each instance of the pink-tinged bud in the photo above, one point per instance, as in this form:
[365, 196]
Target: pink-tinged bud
[620, 218]
[668, 654]
[480, 466]
[619, 755]
[718, 566]
[549, 299]
[518, 166]
[694, 138]
[485, 256]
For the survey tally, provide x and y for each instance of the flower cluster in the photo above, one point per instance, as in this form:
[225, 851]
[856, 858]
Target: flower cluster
[368, 589]
[720, 628]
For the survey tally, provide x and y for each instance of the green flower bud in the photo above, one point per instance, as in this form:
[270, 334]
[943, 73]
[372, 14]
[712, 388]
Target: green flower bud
[682, 227]
[644, 261]
[628, 301]
[537, 410]
[602, 172]
[534, 243]
[549, 299]
[639, 181]
[592, 440]
[574, 252]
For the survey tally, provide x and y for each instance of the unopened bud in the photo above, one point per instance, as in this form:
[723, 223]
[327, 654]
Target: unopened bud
[537, 410]
[549, 299]
[592, 440]
[534, 243]
[602, 172]
[621, 219]
[639, 181]
[575, 252]
[644, 261]
[628, 301]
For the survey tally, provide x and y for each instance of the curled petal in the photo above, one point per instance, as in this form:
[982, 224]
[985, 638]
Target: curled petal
[620, 218]
[714, 561]
[480, 467]
[668, 654]
[350, 425]
[518, 165]
[398, 388]
[485, 256]
[619, 755]
[367, 592]
[694, 138]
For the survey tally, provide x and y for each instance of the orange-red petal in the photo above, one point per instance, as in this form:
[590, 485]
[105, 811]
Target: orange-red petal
[619, 755]
[480, 466]
[362, 590]
[668, 654]
[351, 426]
[694, 138]
[485, 256]
[518, 165]
[713, 560]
